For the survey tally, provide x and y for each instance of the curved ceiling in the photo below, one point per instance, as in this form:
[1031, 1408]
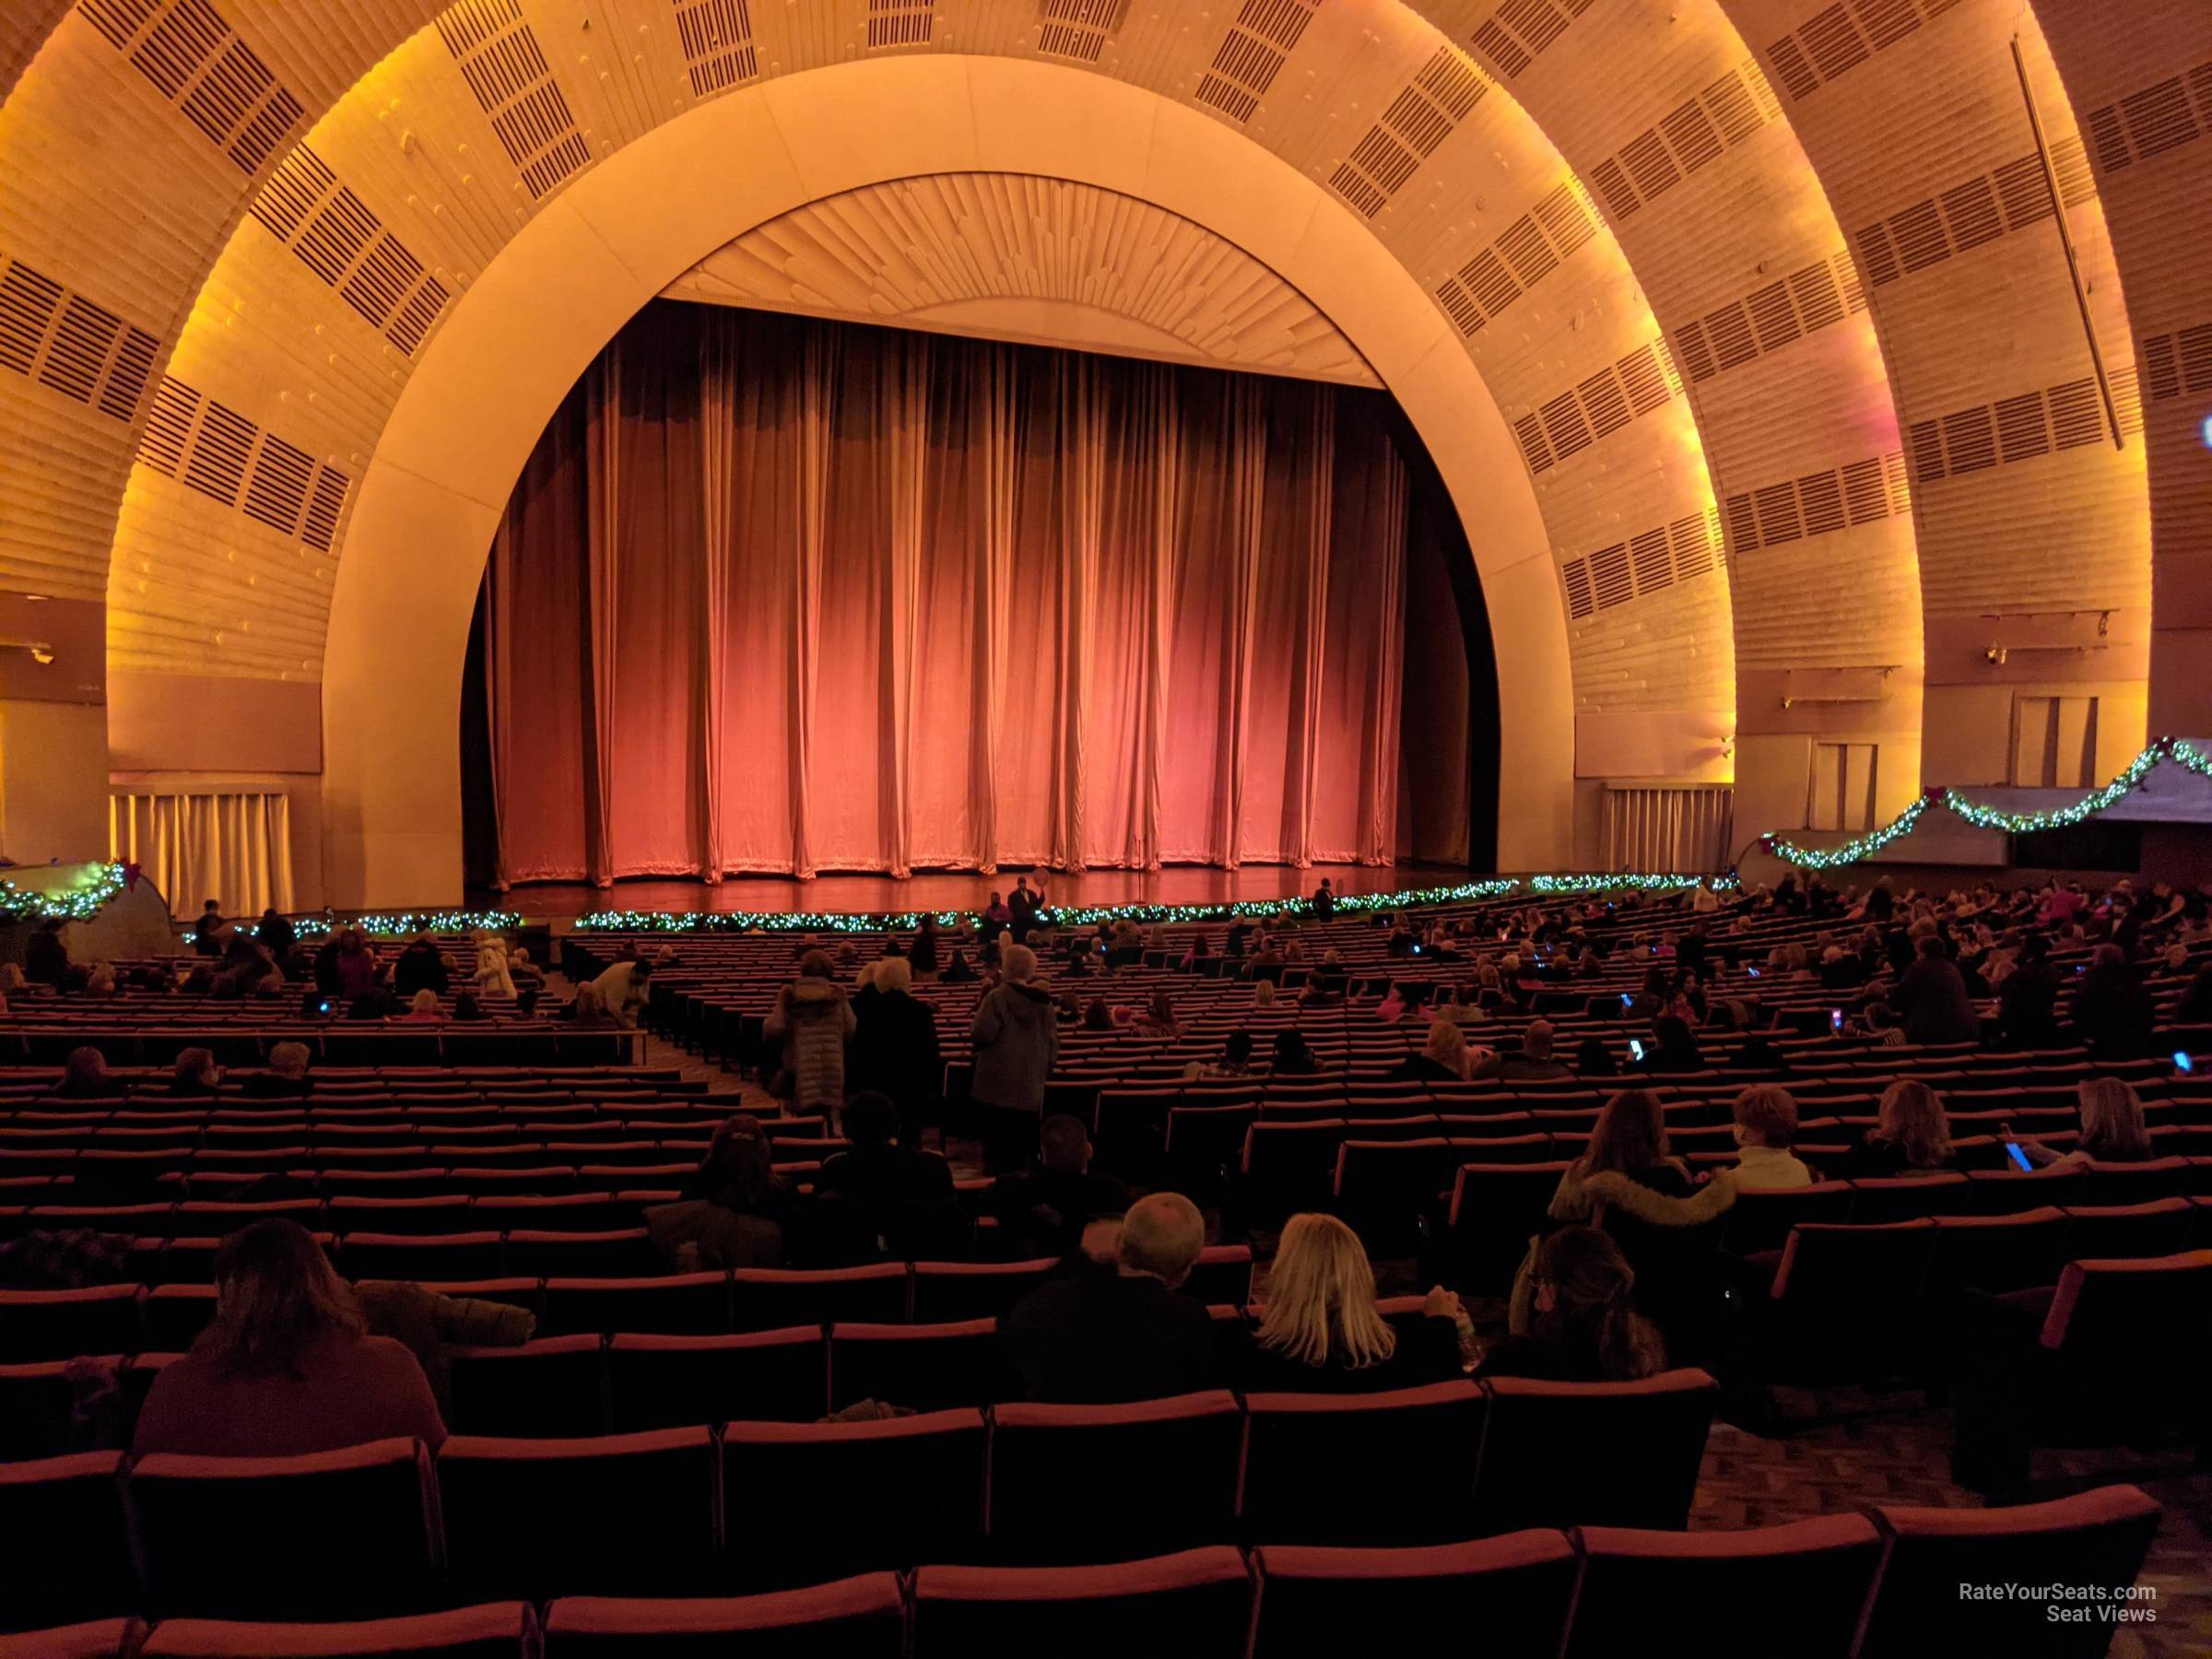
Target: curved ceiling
[1804, 366]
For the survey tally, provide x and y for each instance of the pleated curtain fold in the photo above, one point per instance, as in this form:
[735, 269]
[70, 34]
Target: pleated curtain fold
[784, 596]
[234, 846]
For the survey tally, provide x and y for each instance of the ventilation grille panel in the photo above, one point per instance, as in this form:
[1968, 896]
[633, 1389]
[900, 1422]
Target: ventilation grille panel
[225, 456]
[1538, 242]
[1519, 31]
[1831, 44]
[1599, 407]
[1660, 558]
[1251, 54]
[67, 344]
[1766, 319]
[1078, 29]
[196, 62]
[900, 22]
[347, 247]
[500, 58]
[1691, 139]
[2149, 122]
[2021, 427]
[1818, 504]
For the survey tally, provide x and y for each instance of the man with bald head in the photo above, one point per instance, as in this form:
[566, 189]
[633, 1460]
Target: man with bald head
[1113, 1333]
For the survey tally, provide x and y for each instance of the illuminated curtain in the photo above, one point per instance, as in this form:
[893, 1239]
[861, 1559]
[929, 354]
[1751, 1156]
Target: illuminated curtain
[233, 847]
[1664, 829]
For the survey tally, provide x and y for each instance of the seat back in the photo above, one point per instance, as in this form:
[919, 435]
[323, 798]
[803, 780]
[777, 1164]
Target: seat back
[772, 1299]
[1995, 1252]
[797, 1505]
[1592, 1453]
[676, 1304]
[617, 1514]
[1515, 1590]
[947, 1291]
[2116, 1231]
[1909, 1197]
[669, 1382]
[1223, 1276]
[1387, 1468]
[2131, 1337]
[496, 1630]
[343, 1534]
[1105, 1483]
[1842, 1299]
[551, 1386]
[923, 1367]
[2095, 1539]
[1762, 1219]
[67, 1556]
[60, 1324]
[1202, 1597]
[1809, 1578]
[863, 1617]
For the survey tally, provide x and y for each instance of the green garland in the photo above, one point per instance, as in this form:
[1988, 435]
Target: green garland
[409, 923]
[2178, 750]
[876, 922]
[80, 903]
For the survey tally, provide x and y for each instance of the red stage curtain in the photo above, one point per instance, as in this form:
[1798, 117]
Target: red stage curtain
[781, 595]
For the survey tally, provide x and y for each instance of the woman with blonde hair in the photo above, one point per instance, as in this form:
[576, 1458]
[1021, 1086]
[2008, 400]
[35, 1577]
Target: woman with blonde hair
[1443, 1059]
[1321, 1331]
[2112, 1130]
[1911, 1135]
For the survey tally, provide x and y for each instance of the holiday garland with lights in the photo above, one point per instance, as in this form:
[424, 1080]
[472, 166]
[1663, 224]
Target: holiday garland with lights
[80, 903]
[874, 921]
[408, 923]
[2180, 751]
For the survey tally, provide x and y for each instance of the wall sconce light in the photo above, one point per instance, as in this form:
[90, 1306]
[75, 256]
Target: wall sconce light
[42, 650]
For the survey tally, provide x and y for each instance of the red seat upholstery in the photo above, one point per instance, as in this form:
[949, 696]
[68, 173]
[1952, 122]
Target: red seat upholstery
[860, 1617]
[1909, 1197]
[1809, 1578]
[1104, 1483]
[552, 1386]
[1760, 1219]
[772, 1299]
[67, 1553]
[1497, 1206]
[59, 1325]
[36, 1404]
[1223, 1276]
[679, 1304]
[104, 1638]
[946, 1291]
[498, 1631]
[608, 1254]
[174, 1314]
[1842, 1305]
[1196, 1605]
[1592, 1453]
[2158, 1226]
[1322, 1604]
[335, 1533]
[2096, 1539]
[667, 1382]
[1996, 1253]
[420, 1255]
[620, 1514]
[2002, 1192]
[927, 1367]
[792, 1508]
[1393, 1467]
[2126, 1344]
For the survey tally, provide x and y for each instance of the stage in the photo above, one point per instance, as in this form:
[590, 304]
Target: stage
[557, 902]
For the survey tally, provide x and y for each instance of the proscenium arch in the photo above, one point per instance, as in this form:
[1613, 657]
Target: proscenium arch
[515, 342]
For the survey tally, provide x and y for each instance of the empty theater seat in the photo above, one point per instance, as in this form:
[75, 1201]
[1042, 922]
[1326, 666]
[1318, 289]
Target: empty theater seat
[622, 1514]
[1512, 1594]
[1103, 1483]
[55, 1324]
[97, 1638]
[860, 1617]
[66, 1556]
[1197, 1603]
[551, 1386]
[334, 1534]
[498, 1630]
[1592, 1453]
[1809, 1579]
[1388, 1468]
[666, 1382]
[927, 1367]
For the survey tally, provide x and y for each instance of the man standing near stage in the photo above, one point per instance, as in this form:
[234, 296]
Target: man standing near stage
[1025, 903]
[1325, 900]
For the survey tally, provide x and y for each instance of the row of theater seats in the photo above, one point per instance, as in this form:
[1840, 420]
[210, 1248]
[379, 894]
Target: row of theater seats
[1880, 1583]
[128, 1318]
[247, 1038]
[391, 1527]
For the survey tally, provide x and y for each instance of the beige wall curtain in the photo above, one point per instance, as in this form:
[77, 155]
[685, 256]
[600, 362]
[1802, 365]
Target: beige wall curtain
[233, 848]
[1664, 830]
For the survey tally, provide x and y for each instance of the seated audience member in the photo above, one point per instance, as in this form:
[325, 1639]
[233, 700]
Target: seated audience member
[1627, 1159]
[1158, 1017]
[420, 967]
[624, 989]
[1910, 1136]
[1044, 1210]
[895, 1050]
[884, 1198]
[1235, 1061]
[1110, 1335]
[1263, 994]
[45, 957]
[1443, 1059]
[431, 1324]
[1593, 1057]
[286, 1079]
[1321, 1333]
[1536, 1063]
[1673, 1050]
[1932, 999]
[376, 1003]
[1579, 1322]
[958, 971]
[1880, 1025]
[731, 1209]
[526, 974]
[588, 1013]
[1097, 1015]
[1329, 980]
[195, 1074]
[2111, 1012]
[1766, 1124]
[285, 1367]
[1292, 1056]
[86, 1077]
[423, 1009]
[466, 1006]
[2112, 1130]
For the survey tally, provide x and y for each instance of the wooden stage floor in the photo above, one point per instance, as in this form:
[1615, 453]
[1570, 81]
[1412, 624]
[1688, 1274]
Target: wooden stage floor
[951, 890]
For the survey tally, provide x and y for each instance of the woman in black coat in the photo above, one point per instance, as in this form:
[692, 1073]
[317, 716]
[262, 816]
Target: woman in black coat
[894, 1049]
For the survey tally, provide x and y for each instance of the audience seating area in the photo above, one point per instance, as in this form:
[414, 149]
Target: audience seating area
[1883, 1581]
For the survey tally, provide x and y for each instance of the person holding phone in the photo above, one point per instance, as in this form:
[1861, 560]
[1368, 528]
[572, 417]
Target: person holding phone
[2112, 1130]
